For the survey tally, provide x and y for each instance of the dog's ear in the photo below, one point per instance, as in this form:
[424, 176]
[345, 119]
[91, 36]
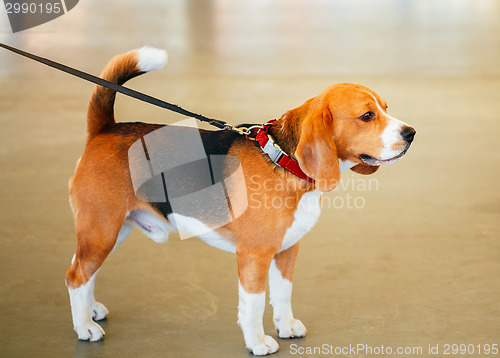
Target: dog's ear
[365, 169]
[316, 151]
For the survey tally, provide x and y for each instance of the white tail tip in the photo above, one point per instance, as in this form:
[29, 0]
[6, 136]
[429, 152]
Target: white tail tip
[150, 58]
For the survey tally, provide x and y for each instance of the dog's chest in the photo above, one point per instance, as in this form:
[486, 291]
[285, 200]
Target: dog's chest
[305, 217]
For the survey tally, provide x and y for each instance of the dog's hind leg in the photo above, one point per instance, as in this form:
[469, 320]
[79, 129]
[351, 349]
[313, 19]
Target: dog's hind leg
[96, 239]
[97, 309]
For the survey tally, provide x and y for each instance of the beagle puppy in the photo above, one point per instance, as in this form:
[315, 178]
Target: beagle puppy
[344, 127]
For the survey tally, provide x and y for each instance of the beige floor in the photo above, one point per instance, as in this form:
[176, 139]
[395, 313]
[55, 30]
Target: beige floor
[417, 265]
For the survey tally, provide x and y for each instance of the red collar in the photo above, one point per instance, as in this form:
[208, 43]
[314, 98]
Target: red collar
[277, 155]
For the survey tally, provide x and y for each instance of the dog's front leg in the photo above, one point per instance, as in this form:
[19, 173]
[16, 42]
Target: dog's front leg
[252, 271]
[280, 286]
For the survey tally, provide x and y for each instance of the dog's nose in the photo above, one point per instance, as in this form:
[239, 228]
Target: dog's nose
[408, 133]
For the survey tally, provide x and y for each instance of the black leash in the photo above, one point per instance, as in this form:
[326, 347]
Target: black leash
[126, 91]
[254, 132]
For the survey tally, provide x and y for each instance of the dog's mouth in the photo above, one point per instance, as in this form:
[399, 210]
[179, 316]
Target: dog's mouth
[369, 160]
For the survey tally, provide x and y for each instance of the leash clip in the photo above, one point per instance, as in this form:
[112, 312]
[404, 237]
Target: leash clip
[249, 132]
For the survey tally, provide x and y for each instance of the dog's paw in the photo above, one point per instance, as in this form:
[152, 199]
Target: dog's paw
[89, 331]
[294, 329]
[99, 311]
[269, 346]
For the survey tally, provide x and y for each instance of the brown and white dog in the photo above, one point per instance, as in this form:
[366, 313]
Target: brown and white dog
[345, 127]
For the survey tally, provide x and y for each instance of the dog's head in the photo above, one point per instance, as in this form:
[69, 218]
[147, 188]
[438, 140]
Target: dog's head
[347, 123]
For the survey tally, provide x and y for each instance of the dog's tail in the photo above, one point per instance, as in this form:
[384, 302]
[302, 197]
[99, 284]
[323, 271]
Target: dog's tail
[119, 70]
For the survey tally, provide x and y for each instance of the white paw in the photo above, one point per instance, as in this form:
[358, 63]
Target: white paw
[99, 311]
[295, 329]
[89, 331]
[269, 346]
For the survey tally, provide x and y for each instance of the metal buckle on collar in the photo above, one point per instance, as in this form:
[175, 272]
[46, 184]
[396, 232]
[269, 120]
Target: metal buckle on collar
[273, 150]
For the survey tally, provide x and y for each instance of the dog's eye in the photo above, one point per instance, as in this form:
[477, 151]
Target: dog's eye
[367, 117]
